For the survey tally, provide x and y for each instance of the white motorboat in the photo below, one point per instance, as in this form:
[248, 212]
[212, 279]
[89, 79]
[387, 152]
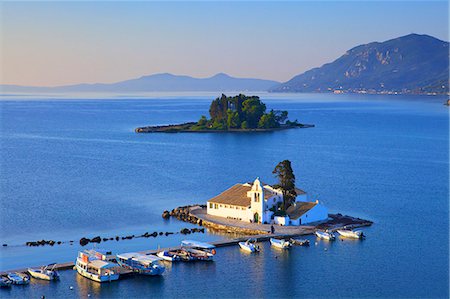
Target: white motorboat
[198, 251]
[46, 272]
[18, 278]
[5, 282]
[326, 235]
[347, 233]
[97, 265]
[249, 245]
[280, 243]
[141, 263]
[170, 256]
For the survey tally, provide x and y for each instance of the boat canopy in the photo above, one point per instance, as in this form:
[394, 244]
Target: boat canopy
[142, 258]
[147, 258]
[197, 244]
[99, 264]
[128, 255]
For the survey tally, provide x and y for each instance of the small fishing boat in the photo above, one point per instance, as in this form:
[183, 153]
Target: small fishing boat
[280, 243]
[249, 245]
[18, 278]
[326, 235]
[170, 256]
[97, 266]
[198, 251]
[141, 263]
[5, 282]
[46, 272]
[300, 242]
[348, 233]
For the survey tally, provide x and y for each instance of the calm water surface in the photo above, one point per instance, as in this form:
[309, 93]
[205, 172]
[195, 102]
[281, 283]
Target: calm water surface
[74, 168]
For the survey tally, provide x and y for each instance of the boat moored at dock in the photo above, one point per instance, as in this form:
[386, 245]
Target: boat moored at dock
[249, 245]
[347, 233]
[97, 266]
[198, 251]
[141, 263]
[45, 273]
[280, 243]
[170, 255]
[18, 278]
[325, 235]
[5, 282]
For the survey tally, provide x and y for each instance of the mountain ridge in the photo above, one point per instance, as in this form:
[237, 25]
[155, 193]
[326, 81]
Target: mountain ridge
[414, 63]
[158, 82]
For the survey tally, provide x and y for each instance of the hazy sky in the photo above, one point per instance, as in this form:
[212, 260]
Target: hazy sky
[51, 43]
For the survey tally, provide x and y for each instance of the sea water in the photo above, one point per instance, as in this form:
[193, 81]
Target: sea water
[73, 168]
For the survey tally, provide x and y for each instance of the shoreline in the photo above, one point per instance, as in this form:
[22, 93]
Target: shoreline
[185, 128]
[194, 214]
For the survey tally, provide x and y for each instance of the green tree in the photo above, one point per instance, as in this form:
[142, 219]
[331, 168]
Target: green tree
[244, 125]
[233, 120]
[286, 182]
[268, 121]
[253, 109]
[203, 121]
[281, 116]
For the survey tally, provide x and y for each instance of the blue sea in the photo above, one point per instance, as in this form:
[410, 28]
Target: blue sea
[73, 168]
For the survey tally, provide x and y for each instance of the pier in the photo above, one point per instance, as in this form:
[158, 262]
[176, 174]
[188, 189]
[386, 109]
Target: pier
[301, 231]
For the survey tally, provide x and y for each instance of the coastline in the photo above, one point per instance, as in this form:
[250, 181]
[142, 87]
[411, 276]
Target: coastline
[184, 128]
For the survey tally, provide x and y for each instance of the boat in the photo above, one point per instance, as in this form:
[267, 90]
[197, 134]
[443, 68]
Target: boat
[198, 251]
[141, 263]
[348, 233]
[5, 282]
[280, 243]
[326, 235]
[18, 278]
[97, 266]
[46, 272]
[300, 242]
[249, 245]
[170, 256]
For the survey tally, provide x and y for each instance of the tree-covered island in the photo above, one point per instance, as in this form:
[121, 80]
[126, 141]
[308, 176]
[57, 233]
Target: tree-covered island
[236, 114]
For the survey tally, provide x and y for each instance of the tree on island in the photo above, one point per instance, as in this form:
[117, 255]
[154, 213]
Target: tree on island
[286, 182]
[242, 112]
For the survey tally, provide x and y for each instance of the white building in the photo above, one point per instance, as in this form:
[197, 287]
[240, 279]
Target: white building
[257, 203]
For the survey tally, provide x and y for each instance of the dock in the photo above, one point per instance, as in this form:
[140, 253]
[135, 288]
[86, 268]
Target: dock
[220, 243]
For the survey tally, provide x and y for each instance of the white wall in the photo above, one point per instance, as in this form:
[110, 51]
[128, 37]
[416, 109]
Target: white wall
[230, 212]
[280, 220]
[318, 213]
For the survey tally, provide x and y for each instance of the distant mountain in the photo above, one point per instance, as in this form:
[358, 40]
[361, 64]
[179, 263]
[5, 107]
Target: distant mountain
[159, 82]
[408, 64]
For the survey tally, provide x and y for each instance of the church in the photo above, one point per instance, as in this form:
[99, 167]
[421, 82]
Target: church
[257, 203]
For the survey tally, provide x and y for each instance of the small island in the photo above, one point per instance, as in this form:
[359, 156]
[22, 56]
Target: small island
[240, 113]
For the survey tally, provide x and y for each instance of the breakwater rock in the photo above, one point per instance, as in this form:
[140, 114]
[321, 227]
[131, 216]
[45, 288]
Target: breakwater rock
[183, 214]
[42, 243]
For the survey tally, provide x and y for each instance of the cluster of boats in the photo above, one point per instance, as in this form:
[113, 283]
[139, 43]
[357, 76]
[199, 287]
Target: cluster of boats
[326, 235]
[345, 233]
[45, 273]
[103, 266]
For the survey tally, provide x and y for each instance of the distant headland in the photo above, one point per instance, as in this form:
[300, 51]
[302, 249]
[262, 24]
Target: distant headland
[240, 113]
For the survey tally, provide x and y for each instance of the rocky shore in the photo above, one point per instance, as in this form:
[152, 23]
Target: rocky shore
[187, 128]
[196, 214]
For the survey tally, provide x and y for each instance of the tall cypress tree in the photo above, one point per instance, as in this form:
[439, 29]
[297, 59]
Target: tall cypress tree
[286, 182]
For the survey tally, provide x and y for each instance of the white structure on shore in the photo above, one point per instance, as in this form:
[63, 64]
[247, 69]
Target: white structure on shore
[257, 203]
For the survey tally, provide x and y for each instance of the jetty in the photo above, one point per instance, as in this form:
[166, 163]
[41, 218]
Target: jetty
[260, 232]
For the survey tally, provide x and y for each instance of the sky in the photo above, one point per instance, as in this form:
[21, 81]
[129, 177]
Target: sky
[59, 43]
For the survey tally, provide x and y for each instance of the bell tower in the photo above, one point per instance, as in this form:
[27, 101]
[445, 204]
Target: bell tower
[257, 201]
